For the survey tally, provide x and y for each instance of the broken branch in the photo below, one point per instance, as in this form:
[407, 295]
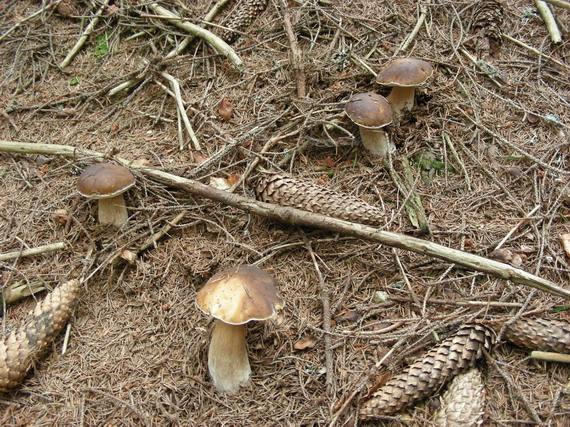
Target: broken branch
[298, 217]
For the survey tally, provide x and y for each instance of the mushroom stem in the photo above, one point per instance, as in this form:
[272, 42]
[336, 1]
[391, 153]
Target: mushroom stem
[113, 212]
[376, 141]
[401, 99]
[228, 363]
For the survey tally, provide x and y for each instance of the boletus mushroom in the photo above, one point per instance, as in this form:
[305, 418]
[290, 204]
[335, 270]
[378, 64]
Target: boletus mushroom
[106, 182]
[371, 112]
[404, 75]
[234, 297]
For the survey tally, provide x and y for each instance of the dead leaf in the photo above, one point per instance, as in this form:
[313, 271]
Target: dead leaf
[62, 216]
[128, 256]
[305, 343]
[220, 183]
[350, 316]
[225, 109]
[115, 127]
[43, 170]
[501, 255]
[233, 178]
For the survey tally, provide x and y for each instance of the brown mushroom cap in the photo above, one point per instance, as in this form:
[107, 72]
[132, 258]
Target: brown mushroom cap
[239, 295]
[369, 110]
[104, 180]
[405, 72]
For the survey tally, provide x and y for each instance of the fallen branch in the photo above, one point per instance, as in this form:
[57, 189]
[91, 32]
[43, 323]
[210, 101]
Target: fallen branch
[421, 19]
[217, 43]
[33, 251]
[88, 30]
[298, 217]
[550, 357]
[549, 21]
[559, 3]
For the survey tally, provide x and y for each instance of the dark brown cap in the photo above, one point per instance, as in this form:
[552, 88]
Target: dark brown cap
[405, 72]
[104, 180]
[369, 110]
[239, 295]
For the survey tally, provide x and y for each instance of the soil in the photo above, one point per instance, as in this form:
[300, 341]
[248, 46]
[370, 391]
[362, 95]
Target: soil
[487, 143]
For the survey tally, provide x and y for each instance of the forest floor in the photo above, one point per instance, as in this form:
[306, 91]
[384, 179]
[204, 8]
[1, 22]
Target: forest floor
[486, 149]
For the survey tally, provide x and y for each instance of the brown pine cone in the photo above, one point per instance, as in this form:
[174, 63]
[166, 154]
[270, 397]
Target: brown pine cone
[540, 334]
[247, 12]
[302, 194]
[488, 19]
[462, 405]
[430, 372]
[19, 349]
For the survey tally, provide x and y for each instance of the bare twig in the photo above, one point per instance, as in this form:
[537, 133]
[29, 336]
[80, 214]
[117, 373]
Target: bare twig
[550, 357]
[208, 18]
[421, 19]
[83, 38]
[296, 57]
[33, 251]
[559, 3]
[536, 51]
[298, 217]
[180, 104]
[549, 21]
[516, 227]
[38, 12]
[326, 317]
[217, 43]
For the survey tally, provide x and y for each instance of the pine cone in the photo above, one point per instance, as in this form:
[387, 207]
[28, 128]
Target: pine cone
[247, 12]
[301, 194]
[487, 19]
[430, 372]
[463, 403]
[19, 349]
[540, 334]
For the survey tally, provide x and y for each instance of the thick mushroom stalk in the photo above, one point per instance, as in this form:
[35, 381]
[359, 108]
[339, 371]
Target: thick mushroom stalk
[228, 362]
[402, 99]
[113, 211]
[376, 141]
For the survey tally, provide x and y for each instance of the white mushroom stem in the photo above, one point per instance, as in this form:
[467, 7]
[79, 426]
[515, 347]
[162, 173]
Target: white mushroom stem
[113, 212]
[228, 363]
[376, 141]
[401, 99]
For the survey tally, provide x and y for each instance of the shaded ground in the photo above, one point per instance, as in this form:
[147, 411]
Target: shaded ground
[137, 348]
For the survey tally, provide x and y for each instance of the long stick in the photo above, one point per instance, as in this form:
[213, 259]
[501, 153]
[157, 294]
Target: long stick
[216, 42]
[32, 251]
[298, 217]
[88, 30]
[549, 21]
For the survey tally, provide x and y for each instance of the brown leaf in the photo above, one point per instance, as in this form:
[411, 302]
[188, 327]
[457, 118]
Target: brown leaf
[501, 255]
[305, 343]
[233, 178]
[225, 109]
[565, 239]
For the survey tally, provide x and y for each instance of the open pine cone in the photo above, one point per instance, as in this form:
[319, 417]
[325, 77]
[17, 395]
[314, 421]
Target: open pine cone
[285, 190]
[247, 12]
[19, 349]
[540, 334]
[429, 373]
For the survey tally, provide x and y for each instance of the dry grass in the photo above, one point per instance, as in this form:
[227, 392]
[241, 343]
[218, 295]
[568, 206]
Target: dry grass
[138, 345]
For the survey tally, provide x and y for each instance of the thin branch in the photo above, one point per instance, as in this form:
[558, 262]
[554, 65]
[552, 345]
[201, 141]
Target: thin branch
[559, 3]
[88, 30]
[180, 104]
[296, 57]
[27, 18]
[414, 33]
[549, 21]
[535, 51]
[550, 357]
[217, 43]
[299, 217]
[33, 251]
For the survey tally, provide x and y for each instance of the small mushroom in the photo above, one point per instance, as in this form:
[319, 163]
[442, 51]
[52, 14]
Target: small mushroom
[371, 112]
[234, 297]
[106, 182]
[404, 75]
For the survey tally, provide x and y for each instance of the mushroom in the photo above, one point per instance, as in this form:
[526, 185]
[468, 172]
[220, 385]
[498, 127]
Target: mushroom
[404, 75]
[106, 182]
[234, 297]
[371, 112]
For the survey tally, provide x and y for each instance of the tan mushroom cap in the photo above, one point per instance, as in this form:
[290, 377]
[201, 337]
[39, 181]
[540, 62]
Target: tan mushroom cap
[369, 110]
[405, 72]
[239, 295]
[104, 180]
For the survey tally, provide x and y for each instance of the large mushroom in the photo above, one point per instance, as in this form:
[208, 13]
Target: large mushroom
[106, 182]
[234, 297]
[371, 112]
[404, 75]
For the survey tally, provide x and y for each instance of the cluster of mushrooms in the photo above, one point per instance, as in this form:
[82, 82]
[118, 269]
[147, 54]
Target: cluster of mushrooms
[372, 112]
[242, 294]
